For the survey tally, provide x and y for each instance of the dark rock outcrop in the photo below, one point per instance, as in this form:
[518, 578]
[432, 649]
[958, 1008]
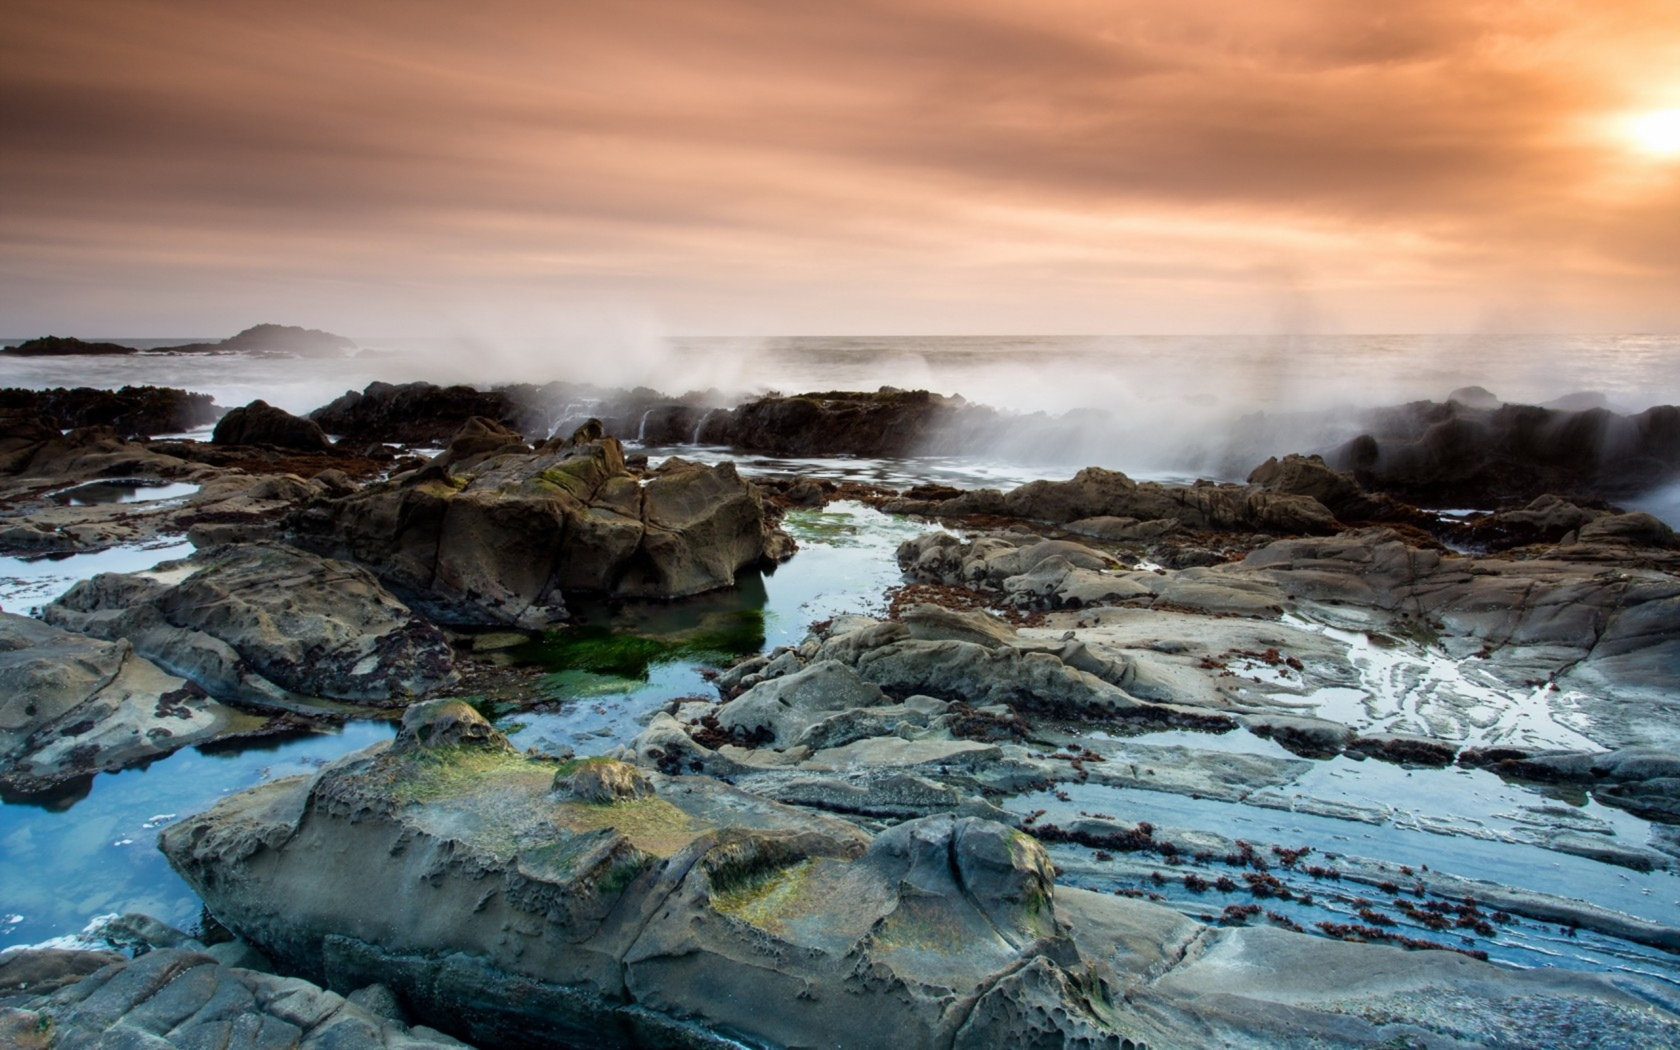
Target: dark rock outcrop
[285, 339]
[501, 537]
[837, 423]
[422, 413]
[260, 423]
[1458, 454]
[265, 624]
[58, 345]
[1096, 492]
[131, 411]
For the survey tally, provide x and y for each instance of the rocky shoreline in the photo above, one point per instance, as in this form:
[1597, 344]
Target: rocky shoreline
[879, 833]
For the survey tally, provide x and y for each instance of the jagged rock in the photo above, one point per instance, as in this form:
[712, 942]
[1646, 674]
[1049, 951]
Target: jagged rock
[265, 624]
[500, 538]
[837, 423]
[181, 998]
[131, 411]
[73, 706]
[1099, 493]
[1459, 454]
[260, 423]
[1298, 475]
[476, 441]
[419, 413]
[783, 708]
[519, 918]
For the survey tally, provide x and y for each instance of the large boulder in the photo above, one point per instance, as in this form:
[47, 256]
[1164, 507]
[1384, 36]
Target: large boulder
[73, 706]
[265, 624]
[514, 914]
[481, 536]
[260, 423]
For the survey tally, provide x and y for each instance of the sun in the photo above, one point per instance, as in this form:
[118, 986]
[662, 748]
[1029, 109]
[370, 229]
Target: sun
[1656, 132]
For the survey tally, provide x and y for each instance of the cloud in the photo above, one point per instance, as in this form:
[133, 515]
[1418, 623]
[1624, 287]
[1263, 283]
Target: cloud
[843, 157]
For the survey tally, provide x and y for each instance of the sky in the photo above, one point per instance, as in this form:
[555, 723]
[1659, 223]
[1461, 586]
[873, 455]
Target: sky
[189, 167]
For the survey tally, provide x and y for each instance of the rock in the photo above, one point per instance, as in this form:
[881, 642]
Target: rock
[422, 413]
[1309, 737]
[179, 998]
[934, 623]
[1576, 624]
[1546, 519]
[502, 541]
[285, 339]
[58, 345]
[1404, 749]
[603, 781]
[1097, 493]
[131, 411]
[837, 423]
[445, 723]
[265, 624]
[516, 917]
[1471, 454]
[260, 423]
[1636, 529]
[34, 459]
[478, 440]
[780, 709]
[1309, 476]
[73, 706]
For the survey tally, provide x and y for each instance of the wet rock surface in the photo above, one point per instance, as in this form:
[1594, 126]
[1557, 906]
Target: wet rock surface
[700, 912]
[501, 537]
[267, 625]
[175, 997]
[73, 706]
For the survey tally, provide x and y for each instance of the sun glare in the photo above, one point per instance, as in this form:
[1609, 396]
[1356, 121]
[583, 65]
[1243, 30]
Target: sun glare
[1656, 132]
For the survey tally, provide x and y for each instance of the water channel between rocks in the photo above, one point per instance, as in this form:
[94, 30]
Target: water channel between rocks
[62, 865]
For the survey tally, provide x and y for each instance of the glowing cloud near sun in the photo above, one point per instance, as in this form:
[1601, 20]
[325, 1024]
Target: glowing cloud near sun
[1656, 132]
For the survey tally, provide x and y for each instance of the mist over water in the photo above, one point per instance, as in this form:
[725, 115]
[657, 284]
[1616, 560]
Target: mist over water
[1160, 406]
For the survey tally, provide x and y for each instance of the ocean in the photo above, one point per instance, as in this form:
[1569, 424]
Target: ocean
[1160, 407]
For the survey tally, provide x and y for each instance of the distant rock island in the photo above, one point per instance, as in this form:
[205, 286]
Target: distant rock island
[258, 339]
[58, 345]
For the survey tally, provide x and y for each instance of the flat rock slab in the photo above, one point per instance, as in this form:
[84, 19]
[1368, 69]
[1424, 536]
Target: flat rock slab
[73, 706]
[266, 624]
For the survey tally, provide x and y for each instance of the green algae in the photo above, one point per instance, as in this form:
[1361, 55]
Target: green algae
[607, 652]
[448, 772]
[652, 825]
[766, 897]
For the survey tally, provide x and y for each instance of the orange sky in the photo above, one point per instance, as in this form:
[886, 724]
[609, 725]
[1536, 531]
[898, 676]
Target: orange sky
[817, 166]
